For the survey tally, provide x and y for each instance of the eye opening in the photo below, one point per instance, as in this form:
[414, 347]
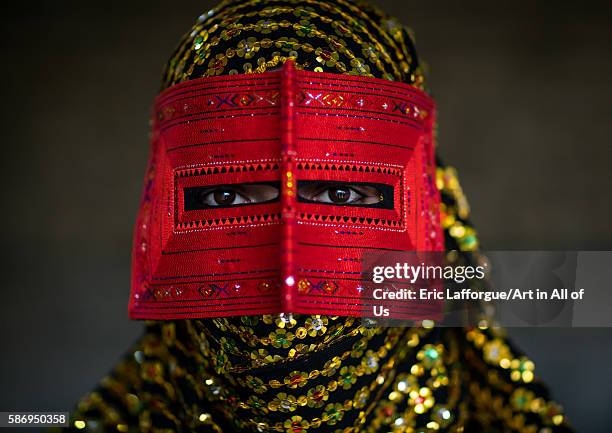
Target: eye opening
[357, 194]
[230, 195]
[334, 193]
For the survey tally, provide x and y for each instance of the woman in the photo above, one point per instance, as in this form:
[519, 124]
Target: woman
[315, 372]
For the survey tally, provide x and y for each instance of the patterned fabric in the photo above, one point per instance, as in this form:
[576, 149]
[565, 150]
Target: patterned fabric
[318, 373]
[255, 36]
[298, 251]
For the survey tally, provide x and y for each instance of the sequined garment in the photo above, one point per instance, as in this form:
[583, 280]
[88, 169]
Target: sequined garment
[318, 373]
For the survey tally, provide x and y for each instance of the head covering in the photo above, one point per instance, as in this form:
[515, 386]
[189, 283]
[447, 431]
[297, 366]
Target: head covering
[343, 37]
[295, 372]
[317, 373]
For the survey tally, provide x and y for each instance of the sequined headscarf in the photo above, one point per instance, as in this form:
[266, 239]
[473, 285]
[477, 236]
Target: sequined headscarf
[317, 373]
[255, 36]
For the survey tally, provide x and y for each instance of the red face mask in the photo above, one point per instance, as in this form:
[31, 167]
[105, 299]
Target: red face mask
[264, 191]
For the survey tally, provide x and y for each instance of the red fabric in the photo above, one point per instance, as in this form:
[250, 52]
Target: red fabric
[286, 256]
[289, 89]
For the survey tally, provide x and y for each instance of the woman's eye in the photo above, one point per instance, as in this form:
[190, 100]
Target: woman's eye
[220, 196]
[223, 197]
[338, 195]
[346, 193]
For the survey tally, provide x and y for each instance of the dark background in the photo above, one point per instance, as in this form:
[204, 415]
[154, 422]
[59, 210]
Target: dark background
[525, 115]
